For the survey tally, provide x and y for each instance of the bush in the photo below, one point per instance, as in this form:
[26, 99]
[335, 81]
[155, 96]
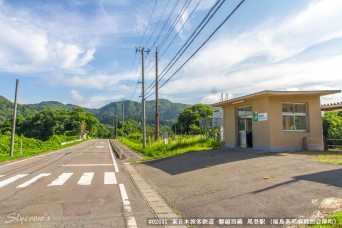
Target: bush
[178, 145]
[30, 146]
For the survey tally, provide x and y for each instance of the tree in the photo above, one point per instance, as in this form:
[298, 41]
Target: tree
[188, 119]
[49, 122]
[332, 125]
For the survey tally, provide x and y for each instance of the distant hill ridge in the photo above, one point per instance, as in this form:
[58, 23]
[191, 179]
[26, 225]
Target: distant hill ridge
[168, 111]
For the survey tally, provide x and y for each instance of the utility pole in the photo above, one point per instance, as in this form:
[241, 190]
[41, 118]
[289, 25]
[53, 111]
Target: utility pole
[14, 116]
[116, 126]
[157, 113]
[123, 117]
[142, 50]
[113, 125]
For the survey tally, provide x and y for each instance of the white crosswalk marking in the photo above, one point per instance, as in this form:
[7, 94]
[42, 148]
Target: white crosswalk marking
[110, 178]
[86, 179]
[12, 179]
[61, 179]
[34, 179]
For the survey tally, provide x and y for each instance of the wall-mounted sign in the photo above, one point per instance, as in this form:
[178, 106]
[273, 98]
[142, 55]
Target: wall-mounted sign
[255, 117]
[262, 116]
[259, 117]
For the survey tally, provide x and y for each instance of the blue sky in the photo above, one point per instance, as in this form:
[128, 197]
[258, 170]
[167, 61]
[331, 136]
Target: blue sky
[83, 51]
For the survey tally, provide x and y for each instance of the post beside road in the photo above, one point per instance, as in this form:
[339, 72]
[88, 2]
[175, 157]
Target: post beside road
[14, 116]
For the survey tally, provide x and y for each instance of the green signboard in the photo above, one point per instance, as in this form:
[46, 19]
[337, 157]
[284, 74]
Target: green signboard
[255, 117]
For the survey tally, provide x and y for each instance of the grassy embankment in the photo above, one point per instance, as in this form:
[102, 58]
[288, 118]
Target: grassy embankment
[30, 146]
[334, 158]
[337, 217]
[176, 146]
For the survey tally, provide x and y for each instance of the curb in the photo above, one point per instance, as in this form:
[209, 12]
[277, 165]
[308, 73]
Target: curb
[158, 206]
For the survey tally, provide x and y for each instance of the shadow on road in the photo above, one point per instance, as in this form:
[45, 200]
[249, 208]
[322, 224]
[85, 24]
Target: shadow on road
[198, 160]
[330, 178]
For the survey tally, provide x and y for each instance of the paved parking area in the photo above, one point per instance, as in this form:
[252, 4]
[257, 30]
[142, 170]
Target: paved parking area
[245, 184]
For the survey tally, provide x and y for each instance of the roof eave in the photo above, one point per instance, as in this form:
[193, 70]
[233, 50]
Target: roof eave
[271, 92]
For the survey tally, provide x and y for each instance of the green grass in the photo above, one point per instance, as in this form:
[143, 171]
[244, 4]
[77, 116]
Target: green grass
[30, 146]
[335, 158]
[177, 146]
[336, 216]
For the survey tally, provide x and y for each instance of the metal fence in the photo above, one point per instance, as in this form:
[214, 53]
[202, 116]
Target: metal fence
[333, 144]
[210, 123]
[320, 143]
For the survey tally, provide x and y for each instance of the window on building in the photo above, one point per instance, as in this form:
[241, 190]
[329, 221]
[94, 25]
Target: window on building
[294, 117]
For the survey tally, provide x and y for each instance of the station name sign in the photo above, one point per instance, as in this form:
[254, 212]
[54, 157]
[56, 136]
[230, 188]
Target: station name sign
[260, 117]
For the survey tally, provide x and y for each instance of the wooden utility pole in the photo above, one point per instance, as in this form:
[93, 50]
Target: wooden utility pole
[116, 126]
[123, 117]
[14, 117]
[142, 50]
[113, 125]
[157, 113]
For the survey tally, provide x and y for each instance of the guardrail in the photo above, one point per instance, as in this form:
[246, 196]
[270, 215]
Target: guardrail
[65, 143]
[118, 151]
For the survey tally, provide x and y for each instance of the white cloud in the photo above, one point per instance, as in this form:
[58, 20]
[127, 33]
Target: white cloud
[27, 48]
[95, 101]
[77, 97]
[217, 97]
[99, 81]
[266, 57]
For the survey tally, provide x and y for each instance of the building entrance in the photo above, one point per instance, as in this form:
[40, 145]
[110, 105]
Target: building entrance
[244, 123]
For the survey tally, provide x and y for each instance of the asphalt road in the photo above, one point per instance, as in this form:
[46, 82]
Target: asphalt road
[244, 184]
[80, 186]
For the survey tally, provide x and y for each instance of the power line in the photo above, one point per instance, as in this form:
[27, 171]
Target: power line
[161, 16]
[194, 34]
[173, 9]
[172, 27]
[191, 38]
[173, 39]
[128, 85]
[154, 7]
[222, 23]
[180, 28]
[165, 23]
[180, 14]
[136, 75]
[130, 81]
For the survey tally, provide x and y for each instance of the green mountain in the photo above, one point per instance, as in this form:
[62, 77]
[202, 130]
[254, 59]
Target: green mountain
[6, 110]
[56, 105]
[50, 105]
[168, 111]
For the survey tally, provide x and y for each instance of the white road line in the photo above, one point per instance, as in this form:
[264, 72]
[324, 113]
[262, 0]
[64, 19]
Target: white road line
[76, 165]
[116, 168]
[61, 179]
[110, 178]
[34, 179]
[86, 179]
[12, 179]
[127, 206]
